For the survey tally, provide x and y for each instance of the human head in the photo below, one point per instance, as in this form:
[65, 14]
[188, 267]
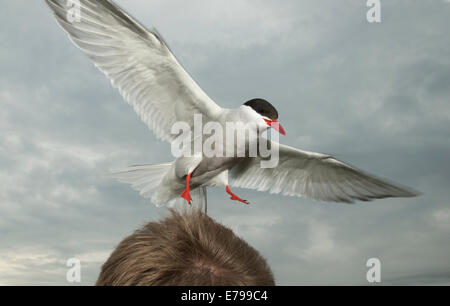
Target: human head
[188, 249]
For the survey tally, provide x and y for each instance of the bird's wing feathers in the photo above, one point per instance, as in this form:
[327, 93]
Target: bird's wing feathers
[318, 176]
[138, 63]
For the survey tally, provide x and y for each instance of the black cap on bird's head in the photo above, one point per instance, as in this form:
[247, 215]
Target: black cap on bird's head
[268, 111]
[264, 108]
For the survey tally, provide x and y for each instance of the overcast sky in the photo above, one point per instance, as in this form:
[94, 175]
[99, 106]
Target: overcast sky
[374, 95]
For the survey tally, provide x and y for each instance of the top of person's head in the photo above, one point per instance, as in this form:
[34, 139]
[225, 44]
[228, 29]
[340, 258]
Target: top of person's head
[188, 249]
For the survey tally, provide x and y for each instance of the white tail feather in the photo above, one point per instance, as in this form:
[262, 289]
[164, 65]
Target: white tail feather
[147, 180]
[144, 178]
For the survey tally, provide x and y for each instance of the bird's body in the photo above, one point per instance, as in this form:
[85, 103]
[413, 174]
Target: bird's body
[149, 77]
[205, 171]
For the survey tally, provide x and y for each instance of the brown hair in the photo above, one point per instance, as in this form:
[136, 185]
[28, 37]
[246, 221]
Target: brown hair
[188, 249]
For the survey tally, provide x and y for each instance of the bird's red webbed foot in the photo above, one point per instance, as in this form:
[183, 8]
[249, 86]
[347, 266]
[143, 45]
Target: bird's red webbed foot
[235, 197]
[186, 193]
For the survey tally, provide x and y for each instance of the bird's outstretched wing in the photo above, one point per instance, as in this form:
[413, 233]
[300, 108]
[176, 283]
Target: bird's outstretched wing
[314, 175]
[137, 61]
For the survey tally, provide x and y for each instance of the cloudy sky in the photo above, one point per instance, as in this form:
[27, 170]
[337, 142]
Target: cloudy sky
[374, 95]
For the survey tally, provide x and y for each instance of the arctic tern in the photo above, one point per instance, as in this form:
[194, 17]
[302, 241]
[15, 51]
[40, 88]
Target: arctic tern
[149, 77]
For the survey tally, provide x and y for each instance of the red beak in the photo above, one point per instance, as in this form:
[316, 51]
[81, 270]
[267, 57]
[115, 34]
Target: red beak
[276, 126]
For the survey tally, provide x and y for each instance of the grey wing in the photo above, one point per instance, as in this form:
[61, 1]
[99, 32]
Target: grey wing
[137, 61]
[314, 175]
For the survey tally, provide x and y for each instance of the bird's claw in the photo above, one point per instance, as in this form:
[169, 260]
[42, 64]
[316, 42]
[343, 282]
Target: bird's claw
[187, 196]
[186, 193]
[235, 197]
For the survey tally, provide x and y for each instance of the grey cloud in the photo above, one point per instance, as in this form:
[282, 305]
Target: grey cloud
[374, 95]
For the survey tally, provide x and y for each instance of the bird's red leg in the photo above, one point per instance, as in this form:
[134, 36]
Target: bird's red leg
[235, 197]
[186, 193]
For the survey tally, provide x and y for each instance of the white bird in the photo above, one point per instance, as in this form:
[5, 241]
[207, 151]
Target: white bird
[140, 64]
